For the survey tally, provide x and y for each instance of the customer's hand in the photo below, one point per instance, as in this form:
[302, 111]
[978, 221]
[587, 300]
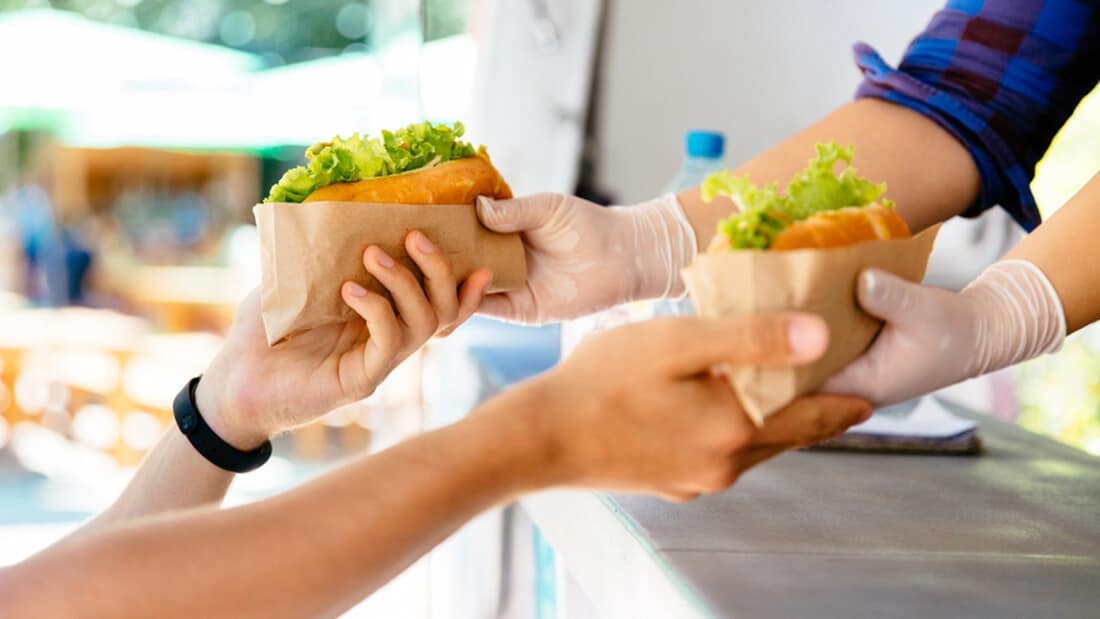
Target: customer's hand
[934, 337]
[252, 391]
[637, 408]
[583, 258]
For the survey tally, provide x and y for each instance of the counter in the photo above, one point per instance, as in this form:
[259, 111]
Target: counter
[1014, 532]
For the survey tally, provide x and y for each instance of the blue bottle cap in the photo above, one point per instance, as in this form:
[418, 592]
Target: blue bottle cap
[705, 144]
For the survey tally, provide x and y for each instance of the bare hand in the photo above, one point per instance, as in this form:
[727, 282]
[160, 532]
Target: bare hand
[253, 391]
[638, 409]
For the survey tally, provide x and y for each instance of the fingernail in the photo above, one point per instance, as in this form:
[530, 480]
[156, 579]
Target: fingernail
[423, 244]
[383, 258]
[807, 337]
[870, 284]
[356, 290]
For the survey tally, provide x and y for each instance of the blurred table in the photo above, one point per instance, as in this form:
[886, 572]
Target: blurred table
[1011, 533]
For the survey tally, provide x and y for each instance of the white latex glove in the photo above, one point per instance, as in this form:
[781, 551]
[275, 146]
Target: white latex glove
[934, 337]
[583, 258]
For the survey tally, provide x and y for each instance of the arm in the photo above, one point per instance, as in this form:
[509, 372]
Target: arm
[326, 367]
[318, 549]
[1065, 250]
[931, 175]
[172, 477]
[957, 128]
[311, 552]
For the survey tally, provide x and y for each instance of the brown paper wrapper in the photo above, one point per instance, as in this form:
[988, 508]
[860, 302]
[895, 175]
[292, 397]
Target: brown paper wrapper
[308, 251]
[821, 281]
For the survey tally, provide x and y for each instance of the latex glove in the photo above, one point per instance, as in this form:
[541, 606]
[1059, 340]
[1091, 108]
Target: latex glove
[934, 337]
[583, 258]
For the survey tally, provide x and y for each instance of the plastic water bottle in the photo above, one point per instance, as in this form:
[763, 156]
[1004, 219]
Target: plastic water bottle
[703, 153]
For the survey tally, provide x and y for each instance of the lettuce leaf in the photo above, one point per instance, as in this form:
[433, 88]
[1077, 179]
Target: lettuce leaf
[765, 213]
[345, 160]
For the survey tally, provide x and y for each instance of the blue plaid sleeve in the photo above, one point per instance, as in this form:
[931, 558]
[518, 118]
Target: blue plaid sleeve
[1002, 76]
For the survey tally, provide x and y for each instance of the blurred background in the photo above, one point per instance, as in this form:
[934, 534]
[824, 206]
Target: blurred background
[136, 135]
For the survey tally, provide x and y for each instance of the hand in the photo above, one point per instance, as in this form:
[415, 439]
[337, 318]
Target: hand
[252, 391]
[934, 337]
[582, 258]
[637, 408]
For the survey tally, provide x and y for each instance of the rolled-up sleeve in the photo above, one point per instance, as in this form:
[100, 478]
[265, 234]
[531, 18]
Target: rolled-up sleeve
[1002, 76]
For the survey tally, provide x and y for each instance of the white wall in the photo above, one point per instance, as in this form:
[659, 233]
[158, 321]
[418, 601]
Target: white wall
[532, 95]
[756, 70]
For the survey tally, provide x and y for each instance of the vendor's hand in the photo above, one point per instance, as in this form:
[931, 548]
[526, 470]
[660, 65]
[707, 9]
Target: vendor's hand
[582, 258]
[252, 391]
[934, 337]
[637, 408]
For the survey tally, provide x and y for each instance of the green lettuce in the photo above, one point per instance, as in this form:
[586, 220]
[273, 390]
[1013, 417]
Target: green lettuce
[347, 160]
[765, 213]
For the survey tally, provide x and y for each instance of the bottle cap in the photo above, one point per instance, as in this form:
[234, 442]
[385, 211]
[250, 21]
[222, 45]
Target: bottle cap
[710, 144]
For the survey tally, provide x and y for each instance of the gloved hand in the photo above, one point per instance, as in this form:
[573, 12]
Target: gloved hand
[934, 337]
[582, 258]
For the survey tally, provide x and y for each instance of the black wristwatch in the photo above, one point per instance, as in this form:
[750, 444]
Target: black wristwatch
[220, 453]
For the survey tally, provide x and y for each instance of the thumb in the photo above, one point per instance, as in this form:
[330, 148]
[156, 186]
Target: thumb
[515, 215]
[889, 297]
[693, 345]
[894, 300]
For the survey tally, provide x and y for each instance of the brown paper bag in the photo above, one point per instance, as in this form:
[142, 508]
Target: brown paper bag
[821, 281]
[308, 251]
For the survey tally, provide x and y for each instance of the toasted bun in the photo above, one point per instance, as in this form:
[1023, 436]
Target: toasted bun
[455, 182]
[846, 226]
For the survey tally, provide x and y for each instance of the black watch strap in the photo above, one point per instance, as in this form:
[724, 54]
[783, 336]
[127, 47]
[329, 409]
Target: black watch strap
[209, 444]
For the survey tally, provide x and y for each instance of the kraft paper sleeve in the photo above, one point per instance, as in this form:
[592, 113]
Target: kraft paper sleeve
[821, 281]
[308, 250]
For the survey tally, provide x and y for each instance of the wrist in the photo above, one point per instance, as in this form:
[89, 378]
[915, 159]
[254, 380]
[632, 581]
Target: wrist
[526, 435]
[663, 244]
[216, 404]
[1017, 313]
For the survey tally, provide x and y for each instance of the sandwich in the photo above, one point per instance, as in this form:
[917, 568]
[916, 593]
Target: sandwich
[420, 164]
[359, 191]
[820, 208]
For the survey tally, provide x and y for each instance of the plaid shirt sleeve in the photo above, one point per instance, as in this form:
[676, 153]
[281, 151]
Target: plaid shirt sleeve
[1002, 76]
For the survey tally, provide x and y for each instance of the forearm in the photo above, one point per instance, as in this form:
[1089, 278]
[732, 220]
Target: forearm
[1064, 248]
[313, 551]
[173, 476]
[931, 176]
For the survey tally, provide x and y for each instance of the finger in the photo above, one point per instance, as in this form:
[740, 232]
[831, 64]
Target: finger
[412, 306]
[470, 297]
[515, 215]
[810, 420]
[858, 378]
[439, 278]
[693, 345]
[889, 297]
[384, 342]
